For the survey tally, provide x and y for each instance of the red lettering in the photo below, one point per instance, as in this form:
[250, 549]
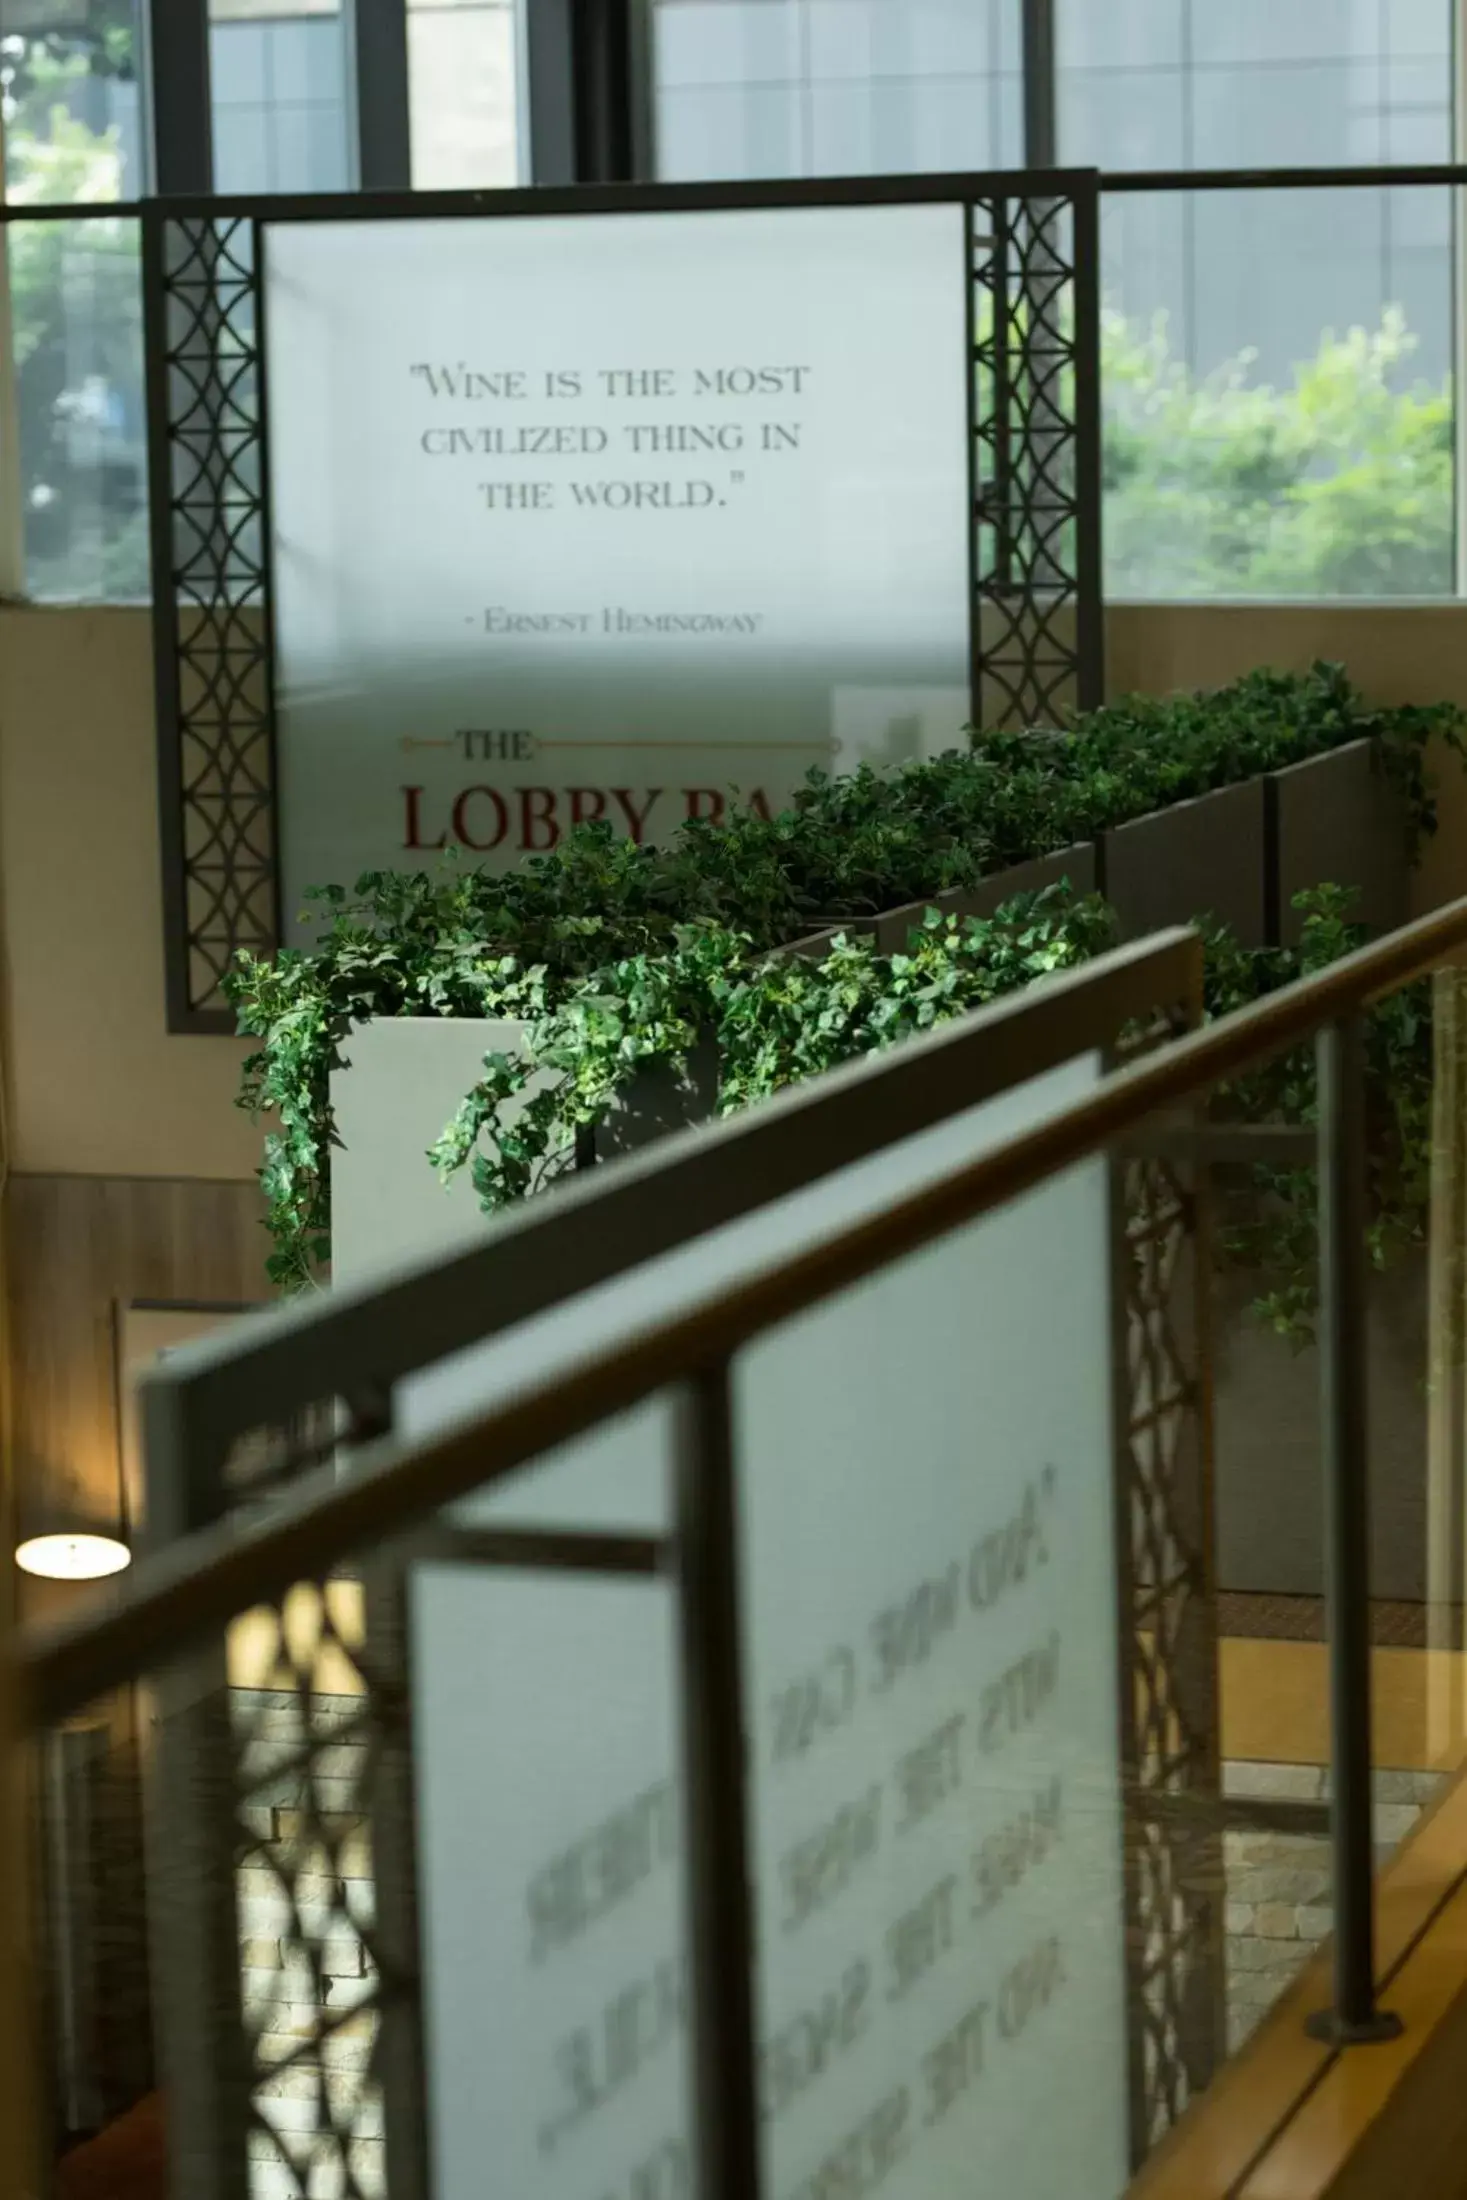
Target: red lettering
[759, 804]
[537, 807]
[579, 796]
[461, 818]
[414, 830]
[695, 797]
[636, 819]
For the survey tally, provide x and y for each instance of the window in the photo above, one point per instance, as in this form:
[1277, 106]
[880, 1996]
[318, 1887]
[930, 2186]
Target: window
[461, 80]
[281, 98]
[76, 313]
[69, 85]
[74, 133]
[1278, 363]
[835, 87]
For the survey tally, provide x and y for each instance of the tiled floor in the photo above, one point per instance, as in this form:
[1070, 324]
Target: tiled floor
[1278, 1884]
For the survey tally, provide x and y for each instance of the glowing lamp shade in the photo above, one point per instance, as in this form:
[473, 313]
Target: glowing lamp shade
[82, 1555]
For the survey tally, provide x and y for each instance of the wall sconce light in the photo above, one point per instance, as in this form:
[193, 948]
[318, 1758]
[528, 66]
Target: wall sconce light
[73, 1554]
[66, 1532]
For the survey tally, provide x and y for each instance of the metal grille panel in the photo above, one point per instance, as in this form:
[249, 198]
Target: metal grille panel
[1174, 1824]
[214, 665]
[293, 1777]
[311, 1966]
[1037, 653]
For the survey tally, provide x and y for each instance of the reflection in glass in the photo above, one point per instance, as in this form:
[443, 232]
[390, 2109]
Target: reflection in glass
[69, 92]
[76, 316]
[69, 88]
[462, 88]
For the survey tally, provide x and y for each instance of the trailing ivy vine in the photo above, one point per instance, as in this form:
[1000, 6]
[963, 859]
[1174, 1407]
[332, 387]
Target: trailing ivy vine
[772, 1021]
[623, 958]
[1270, 1214]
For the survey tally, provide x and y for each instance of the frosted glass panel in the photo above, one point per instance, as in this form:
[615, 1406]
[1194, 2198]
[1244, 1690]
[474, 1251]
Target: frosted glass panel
[639, 493]
[929, 1600]
[76, 318]
[1277, 365]
[548, 1858]
[932, 1659]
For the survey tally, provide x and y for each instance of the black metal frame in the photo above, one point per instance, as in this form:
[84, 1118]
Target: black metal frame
[1041, 126]
[1167, 1676]
[1355, 2019]
[379, 51]
[209, 496]
[179, 106]
[220, 1572]
[201, 1405]
[1035, 620]
[721, 1925]
[586, 83]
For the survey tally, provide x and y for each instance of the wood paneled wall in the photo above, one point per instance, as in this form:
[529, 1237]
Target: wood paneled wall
[78, 1248]
[17, 2043]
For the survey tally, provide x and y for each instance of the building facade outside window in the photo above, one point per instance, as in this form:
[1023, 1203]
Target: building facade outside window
[1278, 378]
[1278, 364]
[1279, 412]
[71, 87]
[280, 95]
[836, 87]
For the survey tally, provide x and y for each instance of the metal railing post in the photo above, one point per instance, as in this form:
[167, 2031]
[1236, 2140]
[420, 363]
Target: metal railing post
[720, 1916]
[1354, 2018]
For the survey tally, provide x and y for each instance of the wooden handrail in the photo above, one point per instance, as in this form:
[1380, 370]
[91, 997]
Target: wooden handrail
[1292, 2119]
[203, 1581]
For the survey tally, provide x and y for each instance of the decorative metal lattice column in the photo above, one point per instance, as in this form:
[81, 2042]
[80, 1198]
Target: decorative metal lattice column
[213, 641]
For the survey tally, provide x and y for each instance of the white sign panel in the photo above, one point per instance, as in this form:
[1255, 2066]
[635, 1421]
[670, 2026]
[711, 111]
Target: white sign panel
[925, 1467]
[608, 517]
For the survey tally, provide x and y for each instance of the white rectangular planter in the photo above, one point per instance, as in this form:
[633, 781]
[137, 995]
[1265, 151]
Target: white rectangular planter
[406, 1078]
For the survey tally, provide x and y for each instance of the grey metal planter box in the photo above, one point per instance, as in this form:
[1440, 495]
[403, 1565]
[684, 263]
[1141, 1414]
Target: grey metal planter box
[656, 1103]
[1334, 818]
[1270, 1491]
[1076, 865]
[1337, 819]
[1200, 858]
[814, 946]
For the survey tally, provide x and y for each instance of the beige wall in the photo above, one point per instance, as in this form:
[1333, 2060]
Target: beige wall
[95, 1085]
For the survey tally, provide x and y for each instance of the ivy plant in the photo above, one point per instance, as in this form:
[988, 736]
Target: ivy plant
[771, 1021]
[621, 958]
[1270, 1214]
